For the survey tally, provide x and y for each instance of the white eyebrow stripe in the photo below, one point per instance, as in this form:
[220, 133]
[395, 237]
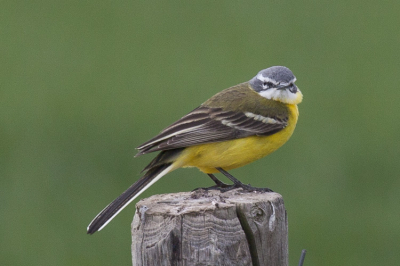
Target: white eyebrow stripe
[266, 79]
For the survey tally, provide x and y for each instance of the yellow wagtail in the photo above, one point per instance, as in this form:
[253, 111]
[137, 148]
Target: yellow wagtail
[233, 128]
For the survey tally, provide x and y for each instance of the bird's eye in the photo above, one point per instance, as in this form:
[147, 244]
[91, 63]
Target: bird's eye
[268, 84]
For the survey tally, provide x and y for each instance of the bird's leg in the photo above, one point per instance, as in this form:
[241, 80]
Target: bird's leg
[238, 184]
[218, 182]
[219, 185]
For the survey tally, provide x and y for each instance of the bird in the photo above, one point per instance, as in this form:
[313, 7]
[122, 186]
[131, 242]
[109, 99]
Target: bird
[233, 128]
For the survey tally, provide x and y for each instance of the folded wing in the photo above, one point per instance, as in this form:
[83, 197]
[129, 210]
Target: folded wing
[207, 125]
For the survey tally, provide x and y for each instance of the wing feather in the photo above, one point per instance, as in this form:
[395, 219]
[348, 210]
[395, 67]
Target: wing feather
[207, 125]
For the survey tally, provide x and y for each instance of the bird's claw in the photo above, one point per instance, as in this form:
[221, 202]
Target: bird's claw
[225, 188]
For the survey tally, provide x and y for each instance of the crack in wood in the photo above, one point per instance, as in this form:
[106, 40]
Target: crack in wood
[249, 235]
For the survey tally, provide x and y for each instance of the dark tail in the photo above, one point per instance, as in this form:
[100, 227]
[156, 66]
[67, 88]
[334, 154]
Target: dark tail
[109, 212]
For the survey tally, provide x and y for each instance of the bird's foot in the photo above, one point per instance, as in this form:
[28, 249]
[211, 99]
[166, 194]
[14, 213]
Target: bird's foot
[244, 187]
[238, 184]
[249, 188]
[221, 187]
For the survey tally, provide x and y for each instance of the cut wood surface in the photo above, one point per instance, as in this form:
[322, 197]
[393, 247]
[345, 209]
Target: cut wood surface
[210, 228]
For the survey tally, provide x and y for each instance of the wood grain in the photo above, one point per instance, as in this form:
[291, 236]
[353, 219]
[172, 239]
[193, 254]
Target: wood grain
[210, 228]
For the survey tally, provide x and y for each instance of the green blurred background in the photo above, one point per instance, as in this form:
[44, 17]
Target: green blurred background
[85, 82]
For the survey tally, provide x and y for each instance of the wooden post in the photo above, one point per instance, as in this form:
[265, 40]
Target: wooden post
[210, 228]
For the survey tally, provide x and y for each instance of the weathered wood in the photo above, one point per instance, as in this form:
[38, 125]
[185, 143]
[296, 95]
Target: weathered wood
[210, 228]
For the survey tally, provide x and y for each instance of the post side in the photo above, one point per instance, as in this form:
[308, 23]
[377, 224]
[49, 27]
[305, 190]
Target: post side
[210, 228]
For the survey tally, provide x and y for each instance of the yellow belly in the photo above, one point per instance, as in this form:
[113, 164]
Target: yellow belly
[236, 153]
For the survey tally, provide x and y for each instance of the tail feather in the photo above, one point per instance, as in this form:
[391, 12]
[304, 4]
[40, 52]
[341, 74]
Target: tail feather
[162, 158]
[109, 212]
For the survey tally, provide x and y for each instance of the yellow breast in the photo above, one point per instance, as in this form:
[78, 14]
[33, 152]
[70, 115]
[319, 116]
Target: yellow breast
[239, 152]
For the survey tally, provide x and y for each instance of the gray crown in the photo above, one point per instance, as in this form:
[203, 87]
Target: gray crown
[276, 75]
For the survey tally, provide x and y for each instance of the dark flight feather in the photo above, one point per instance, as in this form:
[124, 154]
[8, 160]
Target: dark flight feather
[207, 125]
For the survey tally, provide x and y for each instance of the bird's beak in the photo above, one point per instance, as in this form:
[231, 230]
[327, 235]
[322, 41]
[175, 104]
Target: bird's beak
[283, 86]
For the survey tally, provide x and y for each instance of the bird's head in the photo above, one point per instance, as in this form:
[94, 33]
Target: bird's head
[277, 83]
